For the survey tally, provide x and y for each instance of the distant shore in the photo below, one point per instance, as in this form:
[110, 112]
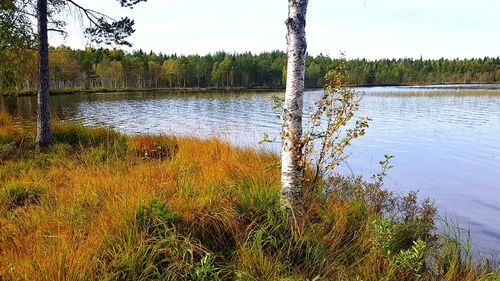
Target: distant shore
[69, 91]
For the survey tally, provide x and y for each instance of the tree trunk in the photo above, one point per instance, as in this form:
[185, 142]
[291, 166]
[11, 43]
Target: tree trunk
[44, 134]
[291, 152]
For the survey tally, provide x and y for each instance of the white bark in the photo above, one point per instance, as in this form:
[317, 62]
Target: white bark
[291, 152]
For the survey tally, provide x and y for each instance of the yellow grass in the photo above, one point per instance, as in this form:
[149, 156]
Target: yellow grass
[82, 220]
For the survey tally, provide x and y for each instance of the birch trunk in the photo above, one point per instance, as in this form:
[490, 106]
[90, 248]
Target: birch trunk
[44, 134]
[291, 152]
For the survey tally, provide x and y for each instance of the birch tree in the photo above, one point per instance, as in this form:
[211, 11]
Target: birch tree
[291, 134]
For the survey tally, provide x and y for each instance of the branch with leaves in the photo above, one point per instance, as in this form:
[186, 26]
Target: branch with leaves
[328, 133]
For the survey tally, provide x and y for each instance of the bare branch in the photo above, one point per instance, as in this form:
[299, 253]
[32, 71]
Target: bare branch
[56, 30]
[92, 15]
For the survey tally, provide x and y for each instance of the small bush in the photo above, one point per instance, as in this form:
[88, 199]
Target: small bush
[382, 201]
[19, 195]
[153, 147]
[154, 217]
[205, 270]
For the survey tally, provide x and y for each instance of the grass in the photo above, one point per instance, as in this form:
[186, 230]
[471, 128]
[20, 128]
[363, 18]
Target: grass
[98, 205]
[18, 195]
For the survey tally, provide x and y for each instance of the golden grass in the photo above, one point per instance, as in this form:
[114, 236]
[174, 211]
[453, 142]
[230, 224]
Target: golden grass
[84, 200]
[85, 224]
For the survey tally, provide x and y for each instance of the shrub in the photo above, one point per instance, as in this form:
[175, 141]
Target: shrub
[153, 218]
[205, 270]
[381, 201]
[153, 147]
[19, 195]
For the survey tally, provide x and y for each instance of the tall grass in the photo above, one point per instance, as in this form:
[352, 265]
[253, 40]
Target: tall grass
[102, 206]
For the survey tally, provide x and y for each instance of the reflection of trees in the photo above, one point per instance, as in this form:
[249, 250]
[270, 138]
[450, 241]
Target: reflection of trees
[22, 107]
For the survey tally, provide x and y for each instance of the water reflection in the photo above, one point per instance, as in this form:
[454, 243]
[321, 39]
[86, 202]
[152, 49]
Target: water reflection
[445, 140]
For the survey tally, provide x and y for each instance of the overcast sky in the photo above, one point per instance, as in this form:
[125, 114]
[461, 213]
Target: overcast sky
[361, 28]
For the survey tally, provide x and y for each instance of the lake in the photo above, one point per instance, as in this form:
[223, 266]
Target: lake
[445, 139]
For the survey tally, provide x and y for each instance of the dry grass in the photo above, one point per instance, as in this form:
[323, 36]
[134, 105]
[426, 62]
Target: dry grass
[98, 205]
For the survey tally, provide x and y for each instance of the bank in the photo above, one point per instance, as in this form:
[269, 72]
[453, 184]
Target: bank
[101, 205]
[69, 91]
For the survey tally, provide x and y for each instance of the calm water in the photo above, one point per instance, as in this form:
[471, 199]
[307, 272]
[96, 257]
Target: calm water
[446, 140]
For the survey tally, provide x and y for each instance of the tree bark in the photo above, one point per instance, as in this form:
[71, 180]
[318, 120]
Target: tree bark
[44, 133]
[291, 152]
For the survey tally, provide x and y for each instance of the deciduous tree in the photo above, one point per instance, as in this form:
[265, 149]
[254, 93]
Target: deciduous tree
[291, 152]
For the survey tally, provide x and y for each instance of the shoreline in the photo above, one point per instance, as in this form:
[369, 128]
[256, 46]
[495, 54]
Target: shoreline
[71, 91]
[150, 201]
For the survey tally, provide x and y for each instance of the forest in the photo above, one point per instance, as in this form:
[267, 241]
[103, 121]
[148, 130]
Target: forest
[115, 68]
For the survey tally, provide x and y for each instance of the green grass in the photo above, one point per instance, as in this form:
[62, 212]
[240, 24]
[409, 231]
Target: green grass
[17, 195]
[99, 205]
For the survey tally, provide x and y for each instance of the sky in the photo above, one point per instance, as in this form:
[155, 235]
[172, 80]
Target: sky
[370, 29]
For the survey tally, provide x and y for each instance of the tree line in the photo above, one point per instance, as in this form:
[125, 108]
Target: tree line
[115, 68]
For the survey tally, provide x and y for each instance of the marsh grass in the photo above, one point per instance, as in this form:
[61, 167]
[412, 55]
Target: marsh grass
[18, 195]
[95, 207]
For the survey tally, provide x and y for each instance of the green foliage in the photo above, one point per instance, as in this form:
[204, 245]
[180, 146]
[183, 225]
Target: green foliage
[153, 217]
[150, 248]
[7, 148]
[97, 144]
[116, 69]
[129, 255]
[61, 148]
[257, 204]
[15, 28]
[205, 270]
[19, 194]
[413, 258]
[385, 167]
[453, 259]
[327, 134]
[388, 236]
